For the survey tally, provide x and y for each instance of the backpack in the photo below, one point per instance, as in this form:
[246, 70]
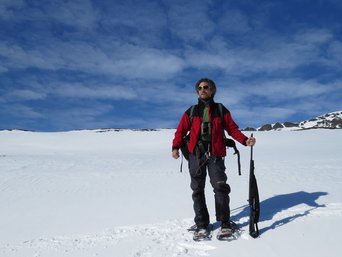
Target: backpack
[229, 142]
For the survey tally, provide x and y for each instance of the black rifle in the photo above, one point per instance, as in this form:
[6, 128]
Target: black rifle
[253, 200]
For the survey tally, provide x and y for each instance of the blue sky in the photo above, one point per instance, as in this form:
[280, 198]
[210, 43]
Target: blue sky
[133, 64]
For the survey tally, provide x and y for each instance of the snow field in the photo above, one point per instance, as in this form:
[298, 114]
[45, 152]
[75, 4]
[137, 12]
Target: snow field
[92, 193]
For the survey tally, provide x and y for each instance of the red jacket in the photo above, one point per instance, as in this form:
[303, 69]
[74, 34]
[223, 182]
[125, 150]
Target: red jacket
[194, 126]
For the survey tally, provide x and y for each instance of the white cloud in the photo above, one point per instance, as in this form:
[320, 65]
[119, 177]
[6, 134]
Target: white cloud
[291, 89]
[139, 15]
[79, 117]
[3, 69]
[76, 13]
[335, 49]
[190, 20]
[20, 111]
[206, 60]
[127, 61]
[272, 100]
[313, 36]
[19, 58]
[137, 62]
[114, 92]
[25, 94]
[259, 115]
[7, 8]
[335, 54]
[272, 54]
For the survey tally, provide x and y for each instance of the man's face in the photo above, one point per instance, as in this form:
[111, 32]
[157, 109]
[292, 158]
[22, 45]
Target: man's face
[204, 90]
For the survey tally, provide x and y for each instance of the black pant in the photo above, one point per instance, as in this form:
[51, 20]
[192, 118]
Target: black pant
[218, 180]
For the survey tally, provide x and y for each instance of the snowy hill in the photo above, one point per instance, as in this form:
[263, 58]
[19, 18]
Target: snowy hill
[331, 120]
[119, 193]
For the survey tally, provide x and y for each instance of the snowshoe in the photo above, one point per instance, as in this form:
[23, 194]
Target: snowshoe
[201, 234]
[227, 231]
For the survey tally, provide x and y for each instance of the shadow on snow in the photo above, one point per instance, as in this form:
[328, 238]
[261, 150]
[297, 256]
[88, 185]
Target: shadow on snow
[269, 208]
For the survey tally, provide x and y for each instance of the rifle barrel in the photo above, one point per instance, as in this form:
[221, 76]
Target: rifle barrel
[252, 149]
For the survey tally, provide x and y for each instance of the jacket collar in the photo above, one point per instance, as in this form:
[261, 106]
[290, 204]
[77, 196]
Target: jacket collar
[210, 101]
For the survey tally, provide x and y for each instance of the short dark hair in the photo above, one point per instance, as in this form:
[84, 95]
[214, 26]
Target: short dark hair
[210, 82]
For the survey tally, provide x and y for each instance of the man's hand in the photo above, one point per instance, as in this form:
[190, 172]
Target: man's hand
[175, 153]
[250, 141]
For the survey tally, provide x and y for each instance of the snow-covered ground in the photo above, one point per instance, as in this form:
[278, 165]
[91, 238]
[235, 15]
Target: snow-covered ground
[87, 193]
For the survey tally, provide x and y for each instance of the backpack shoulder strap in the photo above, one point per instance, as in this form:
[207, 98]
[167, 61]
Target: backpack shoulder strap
[192, 109]
[220, 108]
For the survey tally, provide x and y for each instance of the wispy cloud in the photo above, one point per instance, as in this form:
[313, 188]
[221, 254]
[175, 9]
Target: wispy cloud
[25, 95]
[8, 8]
[271, 55]
[285, 90]
[23, 115]
[77, 90]
[125, 61]
[190, 22]
[278, 99]
[77, 13]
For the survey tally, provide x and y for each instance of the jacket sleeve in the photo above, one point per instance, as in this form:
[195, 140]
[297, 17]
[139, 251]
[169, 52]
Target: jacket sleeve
[232, 128]
[182, 129]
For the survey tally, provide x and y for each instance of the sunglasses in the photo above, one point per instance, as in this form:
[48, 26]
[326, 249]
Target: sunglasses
[200, 88]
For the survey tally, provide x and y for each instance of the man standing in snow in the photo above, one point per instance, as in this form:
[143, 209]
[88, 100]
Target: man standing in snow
[206, 122]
